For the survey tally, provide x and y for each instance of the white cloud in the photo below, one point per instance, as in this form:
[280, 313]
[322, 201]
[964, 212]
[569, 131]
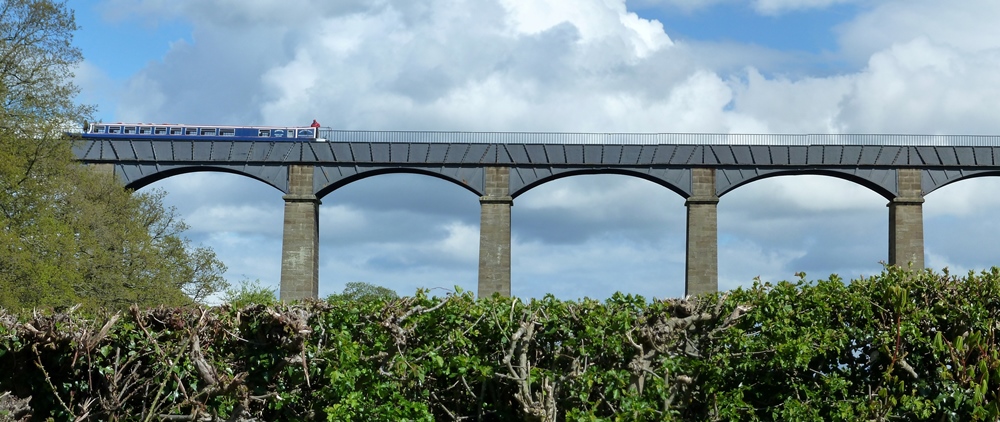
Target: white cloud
[967, 26]
[746, 260]
[934, 260]
[244, 218]
[463, 69]
[248, 257]
[342, 216]
[143, 97]
[807, 193]
[462, 243]
[923, 87]
[596, 21]
[785, 105]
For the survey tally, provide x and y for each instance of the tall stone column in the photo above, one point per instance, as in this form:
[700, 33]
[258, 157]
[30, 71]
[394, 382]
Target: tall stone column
[300, 239]
[494, 233]
[906, 221]
[702, 269]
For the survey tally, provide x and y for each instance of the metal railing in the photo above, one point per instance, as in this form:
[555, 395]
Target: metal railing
[656, 138]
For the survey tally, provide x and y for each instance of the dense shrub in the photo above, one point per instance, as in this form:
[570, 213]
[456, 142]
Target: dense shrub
[900, 345]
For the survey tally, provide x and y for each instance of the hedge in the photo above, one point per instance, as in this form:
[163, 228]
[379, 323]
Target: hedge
[898, 345]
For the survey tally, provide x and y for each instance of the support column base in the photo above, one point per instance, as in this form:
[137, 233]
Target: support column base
[494, 246]
[702, 264]
[300, 248]
[906, 232]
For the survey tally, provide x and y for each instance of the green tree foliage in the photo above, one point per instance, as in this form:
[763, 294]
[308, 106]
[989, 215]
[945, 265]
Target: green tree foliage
[37, 59]
[360, 291]
[249, 293]
[69, 234]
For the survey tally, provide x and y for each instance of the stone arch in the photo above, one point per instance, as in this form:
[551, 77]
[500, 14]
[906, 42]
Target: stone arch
[330, 178]
[880, 181]
[139, 176]
[525, 179]
[783, 225]
[934, 179]
[610, 218]
[959, 219]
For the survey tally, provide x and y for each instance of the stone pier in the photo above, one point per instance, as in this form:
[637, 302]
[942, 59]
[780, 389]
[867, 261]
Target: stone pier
[702, 269]
[906, 221]
[494, 233]
[300, 239]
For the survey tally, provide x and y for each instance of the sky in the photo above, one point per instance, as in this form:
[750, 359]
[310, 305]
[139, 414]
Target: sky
[705, 66]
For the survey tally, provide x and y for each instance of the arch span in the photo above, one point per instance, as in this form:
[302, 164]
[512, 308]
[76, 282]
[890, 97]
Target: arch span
[525, 179]
[882, 182]
[959, 220]
[599, 230]
[137, 177]
[816, 224]
[329, 179]
[933, 179]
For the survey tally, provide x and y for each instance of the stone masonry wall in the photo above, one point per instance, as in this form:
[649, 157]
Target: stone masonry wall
[906, 220]
[300, 239]
[494, 233]
[702, 269]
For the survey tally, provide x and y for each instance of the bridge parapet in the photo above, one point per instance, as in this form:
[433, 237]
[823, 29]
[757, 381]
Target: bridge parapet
[608, 138]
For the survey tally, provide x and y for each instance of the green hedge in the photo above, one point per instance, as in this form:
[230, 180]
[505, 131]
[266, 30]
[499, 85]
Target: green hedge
[900, 345]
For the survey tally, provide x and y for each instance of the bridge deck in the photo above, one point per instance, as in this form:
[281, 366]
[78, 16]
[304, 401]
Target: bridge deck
[534, 158]
[538, 154]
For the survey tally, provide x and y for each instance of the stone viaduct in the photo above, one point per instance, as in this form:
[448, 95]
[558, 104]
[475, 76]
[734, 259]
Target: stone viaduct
[500, 166]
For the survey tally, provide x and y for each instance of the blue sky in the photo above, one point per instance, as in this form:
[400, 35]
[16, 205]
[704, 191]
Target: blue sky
[777, 66]
[810, 31]
[122, 47]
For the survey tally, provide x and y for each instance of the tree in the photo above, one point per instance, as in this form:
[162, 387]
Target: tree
[132, 248]
[37, 58]
[68, 234]
[249, 293]
[358, 291]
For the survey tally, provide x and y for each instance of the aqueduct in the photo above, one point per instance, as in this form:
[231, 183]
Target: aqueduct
[500, 166]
